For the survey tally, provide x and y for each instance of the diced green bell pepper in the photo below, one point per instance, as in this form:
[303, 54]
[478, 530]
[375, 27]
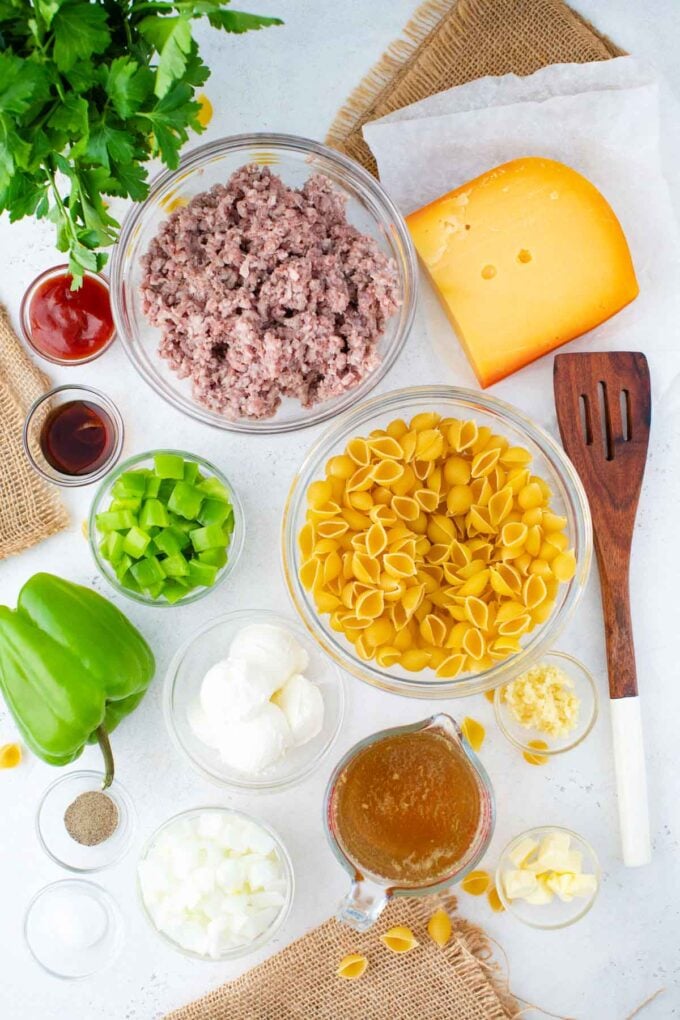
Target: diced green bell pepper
[126, 503]
[215, 557]
[153, 485]
[116, 520]
[190, 471]
[136, 542]
[172, 591]
[175, 566]
[147, 572]
[186, 500]
[210, 537]
[171, 541]
[153, 514]
[202, 574]
[214, 489]
[214, 511]
[169, 465]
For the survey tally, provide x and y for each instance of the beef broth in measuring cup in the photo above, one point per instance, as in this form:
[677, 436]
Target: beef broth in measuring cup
[407, 810]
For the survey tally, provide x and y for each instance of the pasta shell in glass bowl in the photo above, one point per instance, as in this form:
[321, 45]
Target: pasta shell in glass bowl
[436, 540]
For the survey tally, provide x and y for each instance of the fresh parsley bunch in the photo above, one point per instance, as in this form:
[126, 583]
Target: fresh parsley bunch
[89, 91]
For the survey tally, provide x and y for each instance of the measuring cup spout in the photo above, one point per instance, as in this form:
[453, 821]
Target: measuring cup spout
[363, 904]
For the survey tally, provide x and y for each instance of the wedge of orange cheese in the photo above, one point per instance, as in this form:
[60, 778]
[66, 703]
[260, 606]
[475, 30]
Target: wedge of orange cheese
[524, 258]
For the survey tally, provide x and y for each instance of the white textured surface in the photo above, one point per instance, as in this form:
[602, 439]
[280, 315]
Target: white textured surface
[293, 79]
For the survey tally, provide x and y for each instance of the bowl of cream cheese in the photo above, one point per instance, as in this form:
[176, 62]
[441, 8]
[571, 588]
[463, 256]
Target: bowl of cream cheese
[252, 702]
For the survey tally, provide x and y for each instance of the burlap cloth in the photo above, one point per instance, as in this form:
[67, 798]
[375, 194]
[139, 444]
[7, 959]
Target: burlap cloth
[428, 983]
[448, 43]
[445, 44]
[30, 509]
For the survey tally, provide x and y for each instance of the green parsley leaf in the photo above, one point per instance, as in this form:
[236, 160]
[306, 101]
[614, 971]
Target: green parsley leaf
[171, 37]
[127, 85]
[80, 30]
[239, 21]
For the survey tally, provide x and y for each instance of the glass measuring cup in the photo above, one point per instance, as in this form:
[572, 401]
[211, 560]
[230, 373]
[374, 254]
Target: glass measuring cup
[369, 893]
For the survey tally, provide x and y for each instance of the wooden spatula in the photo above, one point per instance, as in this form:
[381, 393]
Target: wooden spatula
[604, 409]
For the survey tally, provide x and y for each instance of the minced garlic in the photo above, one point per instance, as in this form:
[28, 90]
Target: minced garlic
[543, 699]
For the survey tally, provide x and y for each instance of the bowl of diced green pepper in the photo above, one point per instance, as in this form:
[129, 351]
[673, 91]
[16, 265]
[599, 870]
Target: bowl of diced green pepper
[166, 527]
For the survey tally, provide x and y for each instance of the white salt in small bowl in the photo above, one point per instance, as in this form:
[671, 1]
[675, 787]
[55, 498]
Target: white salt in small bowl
[73, 929]
[181, 693]
[54, 837]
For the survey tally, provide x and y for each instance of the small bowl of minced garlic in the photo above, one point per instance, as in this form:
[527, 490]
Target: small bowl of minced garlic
[552, 705]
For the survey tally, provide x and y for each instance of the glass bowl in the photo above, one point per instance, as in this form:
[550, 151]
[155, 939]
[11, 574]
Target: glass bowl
[554, 915]
[55, 929]
[103, 498]
[40, 411]
[549, 462]
[52, 833]
[584, 687]
[25, 318]
[247, 947]
[294, 159]
[182, 685]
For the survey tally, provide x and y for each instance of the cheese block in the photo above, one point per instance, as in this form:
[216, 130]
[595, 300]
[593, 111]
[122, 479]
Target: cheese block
[524, 258]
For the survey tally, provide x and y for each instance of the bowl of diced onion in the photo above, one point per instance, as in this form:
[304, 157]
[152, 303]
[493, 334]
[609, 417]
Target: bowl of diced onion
[435, 541]
[215, 883]
[166, 527]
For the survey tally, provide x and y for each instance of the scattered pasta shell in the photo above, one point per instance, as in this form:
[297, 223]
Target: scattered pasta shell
[536, 759]
[205, 113]
[399, 939]
[439, 928]
[490, 696]
[495, 901]
[476, 883]
[10, 756]
[473, 732]
[352, 967]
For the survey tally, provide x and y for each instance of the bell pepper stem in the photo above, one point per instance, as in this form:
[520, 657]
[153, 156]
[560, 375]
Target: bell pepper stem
[103, 740]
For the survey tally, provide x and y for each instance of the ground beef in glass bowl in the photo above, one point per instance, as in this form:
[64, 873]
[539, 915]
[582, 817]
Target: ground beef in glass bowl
[266, 285]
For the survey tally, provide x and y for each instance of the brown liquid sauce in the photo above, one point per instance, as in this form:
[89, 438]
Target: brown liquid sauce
[407, 808]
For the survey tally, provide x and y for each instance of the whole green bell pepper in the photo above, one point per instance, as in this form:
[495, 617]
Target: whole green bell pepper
[71, 667]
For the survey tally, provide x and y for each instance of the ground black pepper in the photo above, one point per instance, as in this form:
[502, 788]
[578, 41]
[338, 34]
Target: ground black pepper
[91, 818]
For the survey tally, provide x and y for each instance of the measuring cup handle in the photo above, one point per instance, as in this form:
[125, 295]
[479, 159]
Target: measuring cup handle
[363, 904]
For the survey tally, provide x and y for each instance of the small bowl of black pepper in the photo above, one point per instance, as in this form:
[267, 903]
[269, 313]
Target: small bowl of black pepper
[82, 827]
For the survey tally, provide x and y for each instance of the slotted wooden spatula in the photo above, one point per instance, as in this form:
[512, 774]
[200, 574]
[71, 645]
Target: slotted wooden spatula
[604, 410]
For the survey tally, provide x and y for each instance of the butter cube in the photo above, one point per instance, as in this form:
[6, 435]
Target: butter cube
[522, 852]
[553, 853]
[519, 884]
[583, 885]
[541, 894]
[561, 885]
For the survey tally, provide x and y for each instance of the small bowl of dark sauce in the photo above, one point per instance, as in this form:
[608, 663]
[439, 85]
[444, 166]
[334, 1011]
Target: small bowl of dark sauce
[65, 326]
[73, 435]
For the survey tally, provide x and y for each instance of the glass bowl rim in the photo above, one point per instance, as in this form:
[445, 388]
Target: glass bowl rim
[581, 734]
[340, 430]
[107, 404]
[114, 914]
[247, 785]
[544, 830]
[189, 162]
[235, 952]
[132, 821]
[235, 547]
[62, 270]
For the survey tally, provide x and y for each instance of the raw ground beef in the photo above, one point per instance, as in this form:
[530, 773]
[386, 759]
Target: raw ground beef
[263, 291]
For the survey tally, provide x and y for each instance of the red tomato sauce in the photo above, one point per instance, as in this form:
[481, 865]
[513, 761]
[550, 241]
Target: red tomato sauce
[70, 324]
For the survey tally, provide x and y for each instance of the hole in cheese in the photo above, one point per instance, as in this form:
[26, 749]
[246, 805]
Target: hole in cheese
[523, 255]
[488, 272]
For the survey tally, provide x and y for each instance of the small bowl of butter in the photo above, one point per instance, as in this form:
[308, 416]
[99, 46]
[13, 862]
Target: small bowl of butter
[548, 877]
[550, 708]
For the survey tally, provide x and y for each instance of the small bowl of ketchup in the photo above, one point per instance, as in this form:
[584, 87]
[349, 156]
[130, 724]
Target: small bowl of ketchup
[67, 327]
[73, 435]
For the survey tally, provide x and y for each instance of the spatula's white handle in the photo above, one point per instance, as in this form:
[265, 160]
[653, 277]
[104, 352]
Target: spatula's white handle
[631, 780]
